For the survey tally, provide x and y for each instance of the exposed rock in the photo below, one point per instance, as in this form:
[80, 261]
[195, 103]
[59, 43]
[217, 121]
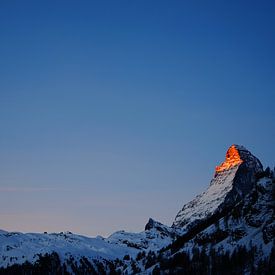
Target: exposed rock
[233, 179]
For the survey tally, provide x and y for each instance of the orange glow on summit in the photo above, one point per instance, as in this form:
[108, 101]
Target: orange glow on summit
[232, 159]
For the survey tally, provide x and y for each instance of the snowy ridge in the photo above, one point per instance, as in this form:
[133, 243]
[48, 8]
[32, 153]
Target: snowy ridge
[233, 179]
[240, 242]
[251, 219]
[18, 247]
[154, 237]
[250, 224]
[208, 202]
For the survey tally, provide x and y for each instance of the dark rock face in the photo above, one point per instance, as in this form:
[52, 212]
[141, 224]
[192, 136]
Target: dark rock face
[269, 232]
[245, 177]
[163, 229]
[150, 224]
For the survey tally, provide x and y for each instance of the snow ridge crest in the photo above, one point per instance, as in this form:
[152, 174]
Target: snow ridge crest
[233, 179]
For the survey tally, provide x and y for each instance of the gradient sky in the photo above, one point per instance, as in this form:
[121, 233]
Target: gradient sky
[112, 112]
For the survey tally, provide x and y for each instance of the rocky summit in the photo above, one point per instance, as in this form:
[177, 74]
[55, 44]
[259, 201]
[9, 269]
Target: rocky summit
[233, 179]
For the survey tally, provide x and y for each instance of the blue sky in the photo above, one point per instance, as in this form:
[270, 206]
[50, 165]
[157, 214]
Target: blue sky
[112, 112]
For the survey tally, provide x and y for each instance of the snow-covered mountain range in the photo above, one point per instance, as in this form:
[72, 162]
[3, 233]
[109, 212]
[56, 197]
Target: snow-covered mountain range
[232, 218]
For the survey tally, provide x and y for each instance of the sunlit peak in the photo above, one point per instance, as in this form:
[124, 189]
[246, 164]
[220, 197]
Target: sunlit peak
[232, 159]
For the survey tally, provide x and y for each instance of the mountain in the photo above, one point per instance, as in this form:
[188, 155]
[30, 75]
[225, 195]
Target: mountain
[233, 179]
[153, 238]
[240, 242]
[18, 248]
[228, 229]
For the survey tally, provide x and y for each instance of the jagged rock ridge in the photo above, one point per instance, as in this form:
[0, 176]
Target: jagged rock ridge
[233, 179]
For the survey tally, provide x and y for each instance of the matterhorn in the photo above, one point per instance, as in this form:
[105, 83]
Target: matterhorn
[228, 229]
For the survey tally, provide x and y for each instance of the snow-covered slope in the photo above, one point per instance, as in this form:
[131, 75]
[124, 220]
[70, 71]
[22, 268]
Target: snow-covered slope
[154, 237]
[19, 247]
[241, 242]
[233, 179]
[250, 222]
